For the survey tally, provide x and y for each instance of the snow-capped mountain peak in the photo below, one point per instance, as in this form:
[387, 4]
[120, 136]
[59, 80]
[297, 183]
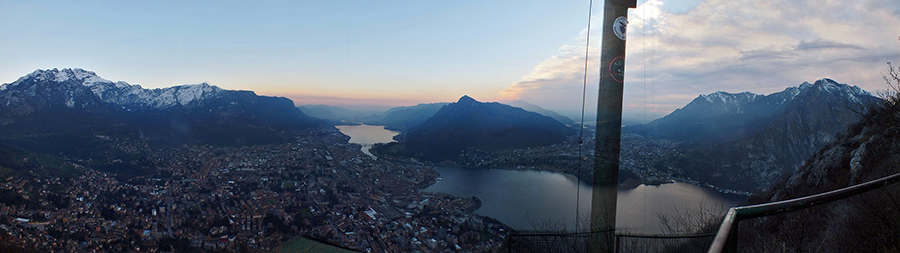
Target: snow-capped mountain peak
[829, 85]
[721, 97]
[57, 75]
[853, 93]
[119, 93]
[160, 98]
[58, 100]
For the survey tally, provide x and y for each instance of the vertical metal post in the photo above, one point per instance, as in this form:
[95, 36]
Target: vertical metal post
[732, 245]
[609, 125]
[618, 244]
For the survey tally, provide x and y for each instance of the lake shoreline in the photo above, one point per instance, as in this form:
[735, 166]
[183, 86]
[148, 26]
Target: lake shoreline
[531, 198]
[629, 181]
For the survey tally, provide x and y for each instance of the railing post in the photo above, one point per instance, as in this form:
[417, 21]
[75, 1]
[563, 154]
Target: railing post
[731, 246]
[618, 243]
[724, 241]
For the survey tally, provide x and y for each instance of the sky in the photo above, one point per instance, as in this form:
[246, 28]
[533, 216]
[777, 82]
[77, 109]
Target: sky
[373, 55]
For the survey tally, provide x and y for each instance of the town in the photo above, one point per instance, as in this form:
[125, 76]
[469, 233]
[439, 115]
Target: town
[245, 199]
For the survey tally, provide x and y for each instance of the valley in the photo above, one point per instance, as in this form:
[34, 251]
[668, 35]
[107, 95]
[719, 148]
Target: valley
[97, 165]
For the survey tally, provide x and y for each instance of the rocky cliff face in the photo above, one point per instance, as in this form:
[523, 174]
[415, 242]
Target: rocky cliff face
[864, 223]
[814, 118]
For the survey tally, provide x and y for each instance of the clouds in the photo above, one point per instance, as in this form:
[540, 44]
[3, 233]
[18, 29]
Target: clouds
[824, 44]
[567, 65]
[557, 82]
[760, 46]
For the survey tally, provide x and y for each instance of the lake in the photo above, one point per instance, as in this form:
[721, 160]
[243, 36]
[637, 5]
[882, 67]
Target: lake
[367, 135]
[534, 200]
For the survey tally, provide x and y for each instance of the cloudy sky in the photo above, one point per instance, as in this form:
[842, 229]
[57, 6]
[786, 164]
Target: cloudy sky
[380, 54]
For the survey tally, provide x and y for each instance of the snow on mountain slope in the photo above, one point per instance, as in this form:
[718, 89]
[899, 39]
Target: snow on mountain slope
[60, 100]
[118, 93]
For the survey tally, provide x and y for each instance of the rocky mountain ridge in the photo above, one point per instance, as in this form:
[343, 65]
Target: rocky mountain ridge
[721, 116]
[863, 223]
[745, 141]
[71, 84]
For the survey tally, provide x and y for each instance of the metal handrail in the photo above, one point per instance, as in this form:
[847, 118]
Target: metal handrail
[726, 238]
[665, 236]
[627, 235]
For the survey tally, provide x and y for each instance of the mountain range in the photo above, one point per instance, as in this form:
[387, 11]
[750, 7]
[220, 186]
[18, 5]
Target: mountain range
[404, 117]
[867, 151]
[75, 113]
[397, 118]
[336, 115]
[746, 141]
[732, 140]
[535, 108]
[63, 111]
[472, 124]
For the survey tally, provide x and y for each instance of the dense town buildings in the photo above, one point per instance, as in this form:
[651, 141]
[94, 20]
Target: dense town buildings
[244, 199]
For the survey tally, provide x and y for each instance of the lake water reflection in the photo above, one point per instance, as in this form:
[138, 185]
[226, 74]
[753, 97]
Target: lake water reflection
[536, 200]
[528, 200]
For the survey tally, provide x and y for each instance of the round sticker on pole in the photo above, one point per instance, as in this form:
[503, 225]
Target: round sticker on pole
[617, 68]
[619, 27]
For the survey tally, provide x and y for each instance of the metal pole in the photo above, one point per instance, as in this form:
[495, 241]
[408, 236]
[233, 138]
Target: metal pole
[609, 125]
[618, 244]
